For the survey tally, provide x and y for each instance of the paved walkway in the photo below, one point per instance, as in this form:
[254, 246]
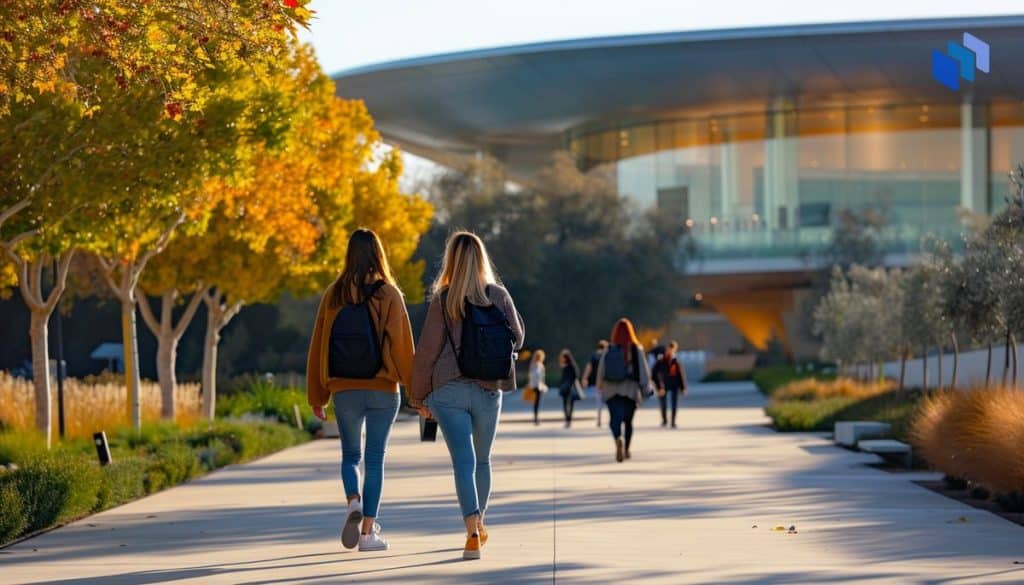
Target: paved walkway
[693, 506]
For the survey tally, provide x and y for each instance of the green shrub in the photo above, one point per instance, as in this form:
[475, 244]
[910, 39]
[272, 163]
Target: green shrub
[16, 447]
[171, 464]
[728, 376]
[12, 512]
[895, 407]
[54, 489]
[122, 481]
[770, 378]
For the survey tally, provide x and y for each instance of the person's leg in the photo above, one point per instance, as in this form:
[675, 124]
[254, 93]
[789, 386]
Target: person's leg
[536, 407]
[615, 418]
[449, 405]
[566, 405]
[570, 408]
[349, 412]
[382, 408]
[600, 404]
[663, 402]
[675, 404]
[485, 411]
[628, 411]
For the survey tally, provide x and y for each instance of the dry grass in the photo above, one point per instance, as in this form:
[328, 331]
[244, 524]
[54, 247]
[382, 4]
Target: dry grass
[92, 404]
[808, 389]
[976, 435]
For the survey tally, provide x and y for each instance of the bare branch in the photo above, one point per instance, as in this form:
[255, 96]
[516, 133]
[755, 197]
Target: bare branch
[108, 275]
[190, 312]
[158, 247]
[25, 286]
[60, 279]
[147, 311]
[10, 211]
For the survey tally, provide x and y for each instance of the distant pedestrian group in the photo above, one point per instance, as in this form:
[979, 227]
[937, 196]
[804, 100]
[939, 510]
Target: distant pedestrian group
[362, 351]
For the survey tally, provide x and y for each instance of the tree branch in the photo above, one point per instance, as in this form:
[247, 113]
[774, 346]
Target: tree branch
[147, 311]
[190, 312]
[25, 285]
[60, 280]
[108, 275]
[10, 211]
[158, 247]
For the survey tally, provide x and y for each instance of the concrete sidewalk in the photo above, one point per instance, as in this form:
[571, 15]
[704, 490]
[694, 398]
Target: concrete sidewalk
[694, 505]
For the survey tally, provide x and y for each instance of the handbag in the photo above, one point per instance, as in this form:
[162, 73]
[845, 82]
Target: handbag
[578, 393]
[428, 430]
[529, 394]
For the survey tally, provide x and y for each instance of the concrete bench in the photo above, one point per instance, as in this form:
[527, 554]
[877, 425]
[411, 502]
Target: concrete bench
[848, 433]
[888, 447]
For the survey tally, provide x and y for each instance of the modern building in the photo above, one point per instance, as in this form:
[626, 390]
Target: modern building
[757, 139]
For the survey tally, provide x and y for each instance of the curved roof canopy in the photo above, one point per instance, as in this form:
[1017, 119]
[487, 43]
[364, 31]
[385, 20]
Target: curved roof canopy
[517, 102]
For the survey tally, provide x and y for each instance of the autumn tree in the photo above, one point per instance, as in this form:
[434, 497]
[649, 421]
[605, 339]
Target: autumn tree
[86, 90]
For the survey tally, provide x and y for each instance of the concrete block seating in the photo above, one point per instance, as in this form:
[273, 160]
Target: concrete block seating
[888, 447]
[848, 433]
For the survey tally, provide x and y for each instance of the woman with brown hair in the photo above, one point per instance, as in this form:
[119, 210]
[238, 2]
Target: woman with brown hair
[465, 359]
[624, 380]
[361, 350]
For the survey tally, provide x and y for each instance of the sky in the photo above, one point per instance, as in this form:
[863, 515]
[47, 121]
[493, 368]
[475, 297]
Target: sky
[349, 34]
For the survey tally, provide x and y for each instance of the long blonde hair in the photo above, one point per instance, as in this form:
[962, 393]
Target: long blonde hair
[465, 273]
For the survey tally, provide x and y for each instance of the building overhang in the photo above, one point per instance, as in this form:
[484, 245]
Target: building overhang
[518, 102]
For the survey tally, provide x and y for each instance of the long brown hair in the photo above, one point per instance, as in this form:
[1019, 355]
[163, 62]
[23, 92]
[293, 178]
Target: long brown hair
[465, 272]
[624, 336]
[365, 257]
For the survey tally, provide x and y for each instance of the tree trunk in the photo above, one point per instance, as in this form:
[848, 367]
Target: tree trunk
[132, 379]
[167, 335]
[988, 367]
[956, 361]
[924, 370]
[210, 363]
[38, 333]
[1006, 356]
[941, 373]
[218, 315]
[903, 370]
[1013, 347]
[30, 284]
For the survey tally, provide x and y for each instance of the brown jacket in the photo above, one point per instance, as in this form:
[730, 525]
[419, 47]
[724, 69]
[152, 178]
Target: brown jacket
[436, 364]
[392, 323]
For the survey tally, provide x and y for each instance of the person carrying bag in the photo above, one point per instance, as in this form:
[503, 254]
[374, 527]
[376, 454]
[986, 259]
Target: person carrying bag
[464, 361]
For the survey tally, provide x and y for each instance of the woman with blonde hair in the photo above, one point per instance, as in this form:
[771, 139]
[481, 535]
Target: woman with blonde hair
[464, 361]
[361, 350]
[624, 380]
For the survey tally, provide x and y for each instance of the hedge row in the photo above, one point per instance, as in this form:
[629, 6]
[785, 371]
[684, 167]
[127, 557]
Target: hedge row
[52, 487]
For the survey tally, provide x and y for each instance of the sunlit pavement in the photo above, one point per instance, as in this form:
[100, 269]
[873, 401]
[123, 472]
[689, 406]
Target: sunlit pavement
[694, 505]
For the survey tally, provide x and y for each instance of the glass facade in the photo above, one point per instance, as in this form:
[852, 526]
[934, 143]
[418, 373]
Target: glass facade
[773, 184]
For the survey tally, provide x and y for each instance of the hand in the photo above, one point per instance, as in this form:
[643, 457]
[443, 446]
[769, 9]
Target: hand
[661, 392]
[319, 412]
[424, 411]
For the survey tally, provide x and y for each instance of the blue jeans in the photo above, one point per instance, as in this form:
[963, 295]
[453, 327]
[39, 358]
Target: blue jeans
[378, 409]
[621, 411]
[468, 417]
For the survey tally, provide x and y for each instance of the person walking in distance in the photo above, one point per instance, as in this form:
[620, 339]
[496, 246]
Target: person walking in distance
[670, 378]
[465, 359]
[569, 385]
[536, 381]
[360, 351]
[624, 381]
[590, 375]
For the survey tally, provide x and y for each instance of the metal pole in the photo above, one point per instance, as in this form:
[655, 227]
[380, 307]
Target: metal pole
[59, 334]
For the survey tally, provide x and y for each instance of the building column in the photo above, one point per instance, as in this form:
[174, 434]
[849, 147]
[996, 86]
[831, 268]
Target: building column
[729, 156]
[780, 170]
[974, 159]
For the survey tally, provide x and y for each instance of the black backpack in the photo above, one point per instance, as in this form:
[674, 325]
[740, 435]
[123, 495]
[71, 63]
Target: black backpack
[488, 347]
[354, 349]
[615, 367]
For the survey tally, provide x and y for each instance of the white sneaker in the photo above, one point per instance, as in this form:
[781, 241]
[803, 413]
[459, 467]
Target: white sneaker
[373, 541]
[353, 521]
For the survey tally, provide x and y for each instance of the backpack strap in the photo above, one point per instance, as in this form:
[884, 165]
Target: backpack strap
[444, 315]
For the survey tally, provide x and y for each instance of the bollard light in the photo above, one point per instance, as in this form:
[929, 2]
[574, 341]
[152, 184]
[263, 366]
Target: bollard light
[102, 448]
